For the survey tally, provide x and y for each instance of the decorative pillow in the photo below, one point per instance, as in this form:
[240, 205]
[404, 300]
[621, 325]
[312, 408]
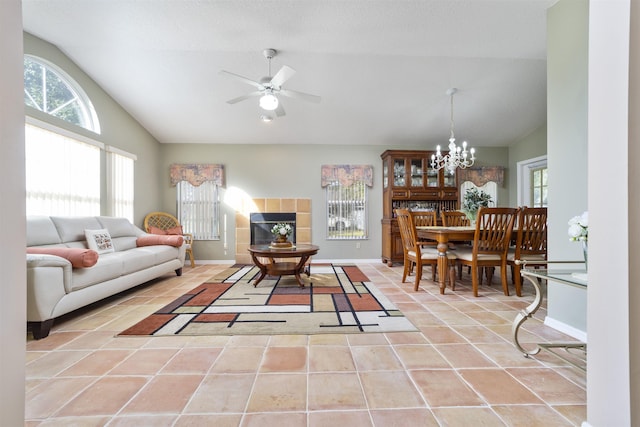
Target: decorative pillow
[175, 230]
[99, 240]
[156, 230]
[78, 257]
[155, 239]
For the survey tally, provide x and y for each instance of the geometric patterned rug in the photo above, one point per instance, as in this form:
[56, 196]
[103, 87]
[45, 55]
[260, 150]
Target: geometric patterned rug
[335, 299]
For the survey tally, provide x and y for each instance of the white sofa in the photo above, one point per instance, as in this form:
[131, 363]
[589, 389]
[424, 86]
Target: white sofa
[55, 288]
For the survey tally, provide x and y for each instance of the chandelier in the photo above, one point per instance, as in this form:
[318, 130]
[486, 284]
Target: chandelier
[458, 157]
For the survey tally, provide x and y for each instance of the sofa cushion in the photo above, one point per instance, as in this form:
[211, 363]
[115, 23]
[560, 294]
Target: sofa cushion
[71, 229]
[109, 266]
[79, 258]
[41, 231]
[118, 227]
[155, 239]
[99, 240]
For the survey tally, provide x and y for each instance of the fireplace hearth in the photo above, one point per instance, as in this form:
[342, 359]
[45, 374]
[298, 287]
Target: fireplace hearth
[260, 224]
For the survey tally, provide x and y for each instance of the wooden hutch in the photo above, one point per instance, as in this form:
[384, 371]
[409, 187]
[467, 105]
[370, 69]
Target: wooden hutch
[408, 181]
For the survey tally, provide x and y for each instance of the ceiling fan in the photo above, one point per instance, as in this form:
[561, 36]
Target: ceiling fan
[270, 87]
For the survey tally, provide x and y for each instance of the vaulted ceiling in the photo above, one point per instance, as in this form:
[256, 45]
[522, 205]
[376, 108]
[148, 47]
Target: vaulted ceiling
[382, 68]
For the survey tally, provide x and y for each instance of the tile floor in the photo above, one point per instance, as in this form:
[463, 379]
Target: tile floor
[461, 369]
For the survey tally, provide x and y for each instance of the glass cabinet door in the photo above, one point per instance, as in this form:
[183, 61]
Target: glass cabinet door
[432, 177]
[399, 173]
[385, 175]
[449, 179]
[416, 173]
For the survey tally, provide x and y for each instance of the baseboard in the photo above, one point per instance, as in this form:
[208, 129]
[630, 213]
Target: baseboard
[566, 329]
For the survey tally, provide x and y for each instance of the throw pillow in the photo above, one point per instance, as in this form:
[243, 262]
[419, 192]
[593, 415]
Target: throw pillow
[175, 230]
[154, 239]
[78, 257]
[156, 230]
[99, 240]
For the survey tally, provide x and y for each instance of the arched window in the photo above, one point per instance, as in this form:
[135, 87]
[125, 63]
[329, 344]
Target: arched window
[50, 90]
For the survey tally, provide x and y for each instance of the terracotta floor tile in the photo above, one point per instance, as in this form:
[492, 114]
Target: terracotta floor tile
[442, 334]
[464, 356]
[378, 386]
[552, 387]
[279, 392]
[576, 414]
[421, 357]
[97, 363]
[424, 319]
[445, 388]
[146, 420]
[403, 418]
[164, 394]
[53, 363]
[248, 341]
[379, 358]
[238, 360]
[54, 340]
[367, 339]
[289, 340]
[192, 361]
[74, 421]
[506, 355]
[406, 338]
[340, 418]
[335, 391]
[531, 416]
[216, 420]
[329, 358]
[459, 417]
[144, 362]
[478, 334]
[288, 419]
[220, 393]
[105, 397]
[50, 395]
[328, 339]
[284, 359]
[497, 387]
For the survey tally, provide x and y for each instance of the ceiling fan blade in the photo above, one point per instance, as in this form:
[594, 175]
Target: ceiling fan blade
[279, 110]
[243, 79]
[300, 95]
[284, 74]
[243, 97]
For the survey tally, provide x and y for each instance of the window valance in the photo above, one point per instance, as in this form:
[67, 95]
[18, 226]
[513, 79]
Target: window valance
[347, 174]
[480, 176]
[196, 174]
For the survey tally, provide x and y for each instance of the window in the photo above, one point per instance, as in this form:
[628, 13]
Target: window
[62, 172]
[120, 179]
[539, 187]
[51, 91]
[199, 209]
[347, 210]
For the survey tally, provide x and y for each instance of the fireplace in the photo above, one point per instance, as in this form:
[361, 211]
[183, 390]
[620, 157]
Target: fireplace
[260, 225]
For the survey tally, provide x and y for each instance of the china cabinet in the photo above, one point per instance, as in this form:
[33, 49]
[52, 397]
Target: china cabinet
[409, 181]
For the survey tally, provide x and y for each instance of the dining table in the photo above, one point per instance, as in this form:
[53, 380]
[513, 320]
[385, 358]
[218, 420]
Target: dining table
[443, 235]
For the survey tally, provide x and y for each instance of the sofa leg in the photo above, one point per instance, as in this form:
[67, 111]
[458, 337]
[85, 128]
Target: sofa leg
[41, 329]
[179, 272]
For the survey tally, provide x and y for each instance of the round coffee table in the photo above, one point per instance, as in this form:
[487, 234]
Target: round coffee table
[277, 268]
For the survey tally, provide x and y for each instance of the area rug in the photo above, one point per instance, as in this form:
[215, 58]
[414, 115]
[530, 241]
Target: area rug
[336, 299]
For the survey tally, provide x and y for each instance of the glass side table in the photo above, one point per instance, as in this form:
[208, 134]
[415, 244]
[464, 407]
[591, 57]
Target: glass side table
[574, 352]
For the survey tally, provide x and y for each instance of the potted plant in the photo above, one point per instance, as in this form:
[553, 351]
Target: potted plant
[472, 201]
[281, 232]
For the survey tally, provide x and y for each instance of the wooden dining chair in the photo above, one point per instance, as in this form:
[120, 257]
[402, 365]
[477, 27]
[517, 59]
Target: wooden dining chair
[531, 242]
[165, 223]
[425, 219]
[415, 254]
[490, 245]
[454, 219]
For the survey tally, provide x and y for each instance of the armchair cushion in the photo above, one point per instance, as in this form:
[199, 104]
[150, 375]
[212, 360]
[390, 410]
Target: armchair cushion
[155, 239]
[78, 257]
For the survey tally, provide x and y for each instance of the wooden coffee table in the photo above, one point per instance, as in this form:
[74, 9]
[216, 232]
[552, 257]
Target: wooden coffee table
[277, 268]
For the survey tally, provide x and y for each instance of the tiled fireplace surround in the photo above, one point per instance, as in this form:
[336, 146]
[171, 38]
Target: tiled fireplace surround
[302, 208]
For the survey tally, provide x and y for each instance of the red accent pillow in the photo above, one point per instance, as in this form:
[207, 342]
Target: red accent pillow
[78, 257]
[155, 239]
[177, 230]
[156, 230]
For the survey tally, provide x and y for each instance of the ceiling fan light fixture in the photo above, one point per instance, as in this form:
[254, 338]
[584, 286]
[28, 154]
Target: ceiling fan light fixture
[268, 102]
[266, 118]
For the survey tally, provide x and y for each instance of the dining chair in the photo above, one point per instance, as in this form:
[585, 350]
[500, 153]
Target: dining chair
[531, 242]
[490, 245]
[454, 219]
[415, 254]
[165, 223]
[425, 219]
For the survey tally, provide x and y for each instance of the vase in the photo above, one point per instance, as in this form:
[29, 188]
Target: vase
[281, 238]
[585, 250]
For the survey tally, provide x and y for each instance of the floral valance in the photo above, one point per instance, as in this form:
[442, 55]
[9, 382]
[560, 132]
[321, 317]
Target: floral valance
[196, 174]
[347, 174]
[480, 176]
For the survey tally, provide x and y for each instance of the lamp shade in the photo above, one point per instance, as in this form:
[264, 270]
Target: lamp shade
[268, 102]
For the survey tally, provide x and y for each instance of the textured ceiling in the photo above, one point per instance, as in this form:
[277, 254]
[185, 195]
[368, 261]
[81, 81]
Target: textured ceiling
[382, 68]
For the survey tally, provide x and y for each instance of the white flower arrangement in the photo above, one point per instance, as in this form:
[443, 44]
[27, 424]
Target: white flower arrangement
[472, 201]
[579, 228]
[282, 229]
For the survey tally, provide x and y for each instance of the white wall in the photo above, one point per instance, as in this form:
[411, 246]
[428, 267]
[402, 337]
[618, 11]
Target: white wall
[567, 48]
[614, 230]
[12, 218]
